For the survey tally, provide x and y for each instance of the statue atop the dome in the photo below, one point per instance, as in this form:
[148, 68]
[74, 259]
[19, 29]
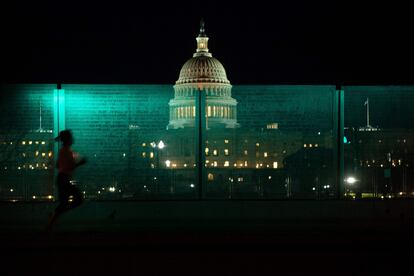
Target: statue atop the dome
[202, 30]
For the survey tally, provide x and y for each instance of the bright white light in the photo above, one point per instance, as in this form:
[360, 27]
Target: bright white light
[161, 145]
[11, 190]
[112, 189]
[192, 185]
[153, 144]
[167, 163]
[351, 180]
[313, 189]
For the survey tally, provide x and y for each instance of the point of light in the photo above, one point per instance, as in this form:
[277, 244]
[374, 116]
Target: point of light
[192, 185]
[168, 163]
[350, 180]
[161, 145]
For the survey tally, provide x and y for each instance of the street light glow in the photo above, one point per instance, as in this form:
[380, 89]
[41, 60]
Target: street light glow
[351, 180]
[161, 145]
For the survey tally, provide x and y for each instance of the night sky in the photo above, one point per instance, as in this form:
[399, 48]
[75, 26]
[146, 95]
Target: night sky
[284, 42]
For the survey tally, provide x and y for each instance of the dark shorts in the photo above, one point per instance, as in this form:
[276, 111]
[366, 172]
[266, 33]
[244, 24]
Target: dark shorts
[67, 189]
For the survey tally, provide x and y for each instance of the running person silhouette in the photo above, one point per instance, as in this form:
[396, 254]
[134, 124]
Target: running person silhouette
[66, 164]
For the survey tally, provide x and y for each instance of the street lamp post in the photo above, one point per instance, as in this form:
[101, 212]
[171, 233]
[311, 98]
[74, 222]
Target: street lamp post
[157, 148]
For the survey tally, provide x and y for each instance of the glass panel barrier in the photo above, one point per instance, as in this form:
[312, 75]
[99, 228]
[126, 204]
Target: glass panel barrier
[378, 142]
[131, 135]
[270, 142]
[26, 142]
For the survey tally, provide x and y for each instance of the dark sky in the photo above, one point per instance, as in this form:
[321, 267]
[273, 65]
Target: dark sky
[282, 42]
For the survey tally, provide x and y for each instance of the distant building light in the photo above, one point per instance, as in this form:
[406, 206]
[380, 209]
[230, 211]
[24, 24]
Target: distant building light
[316, 145]
[245, 163]
[49, 196]
[274, 165]
[207, 151]
[310, 145]
[313, 189]
[167, 163]
[37, 142]
[269, 177]
[43, 142]
[174, 165]
[144, 144]
[151, 154]
[123, 154]
[43, 154]
[226, 152]
[30, 142]
[235, 165]
[265, 154]
[185, 165]
[144, 154]
[215, 153]
[319, 133]
[257, 145]
[11, 190]
[226, 141]
[34, 197]
[210, 177]
[272, 126]
[240, 179]
[215, 163]
[304, 145]
[23, 142]
[192, 185]
[245, 152]
[50, 154]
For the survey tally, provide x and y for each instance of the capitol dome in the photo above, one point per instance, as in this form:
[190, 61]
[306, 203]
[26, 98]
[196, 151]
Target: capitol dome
[203, 74]
[202, 68]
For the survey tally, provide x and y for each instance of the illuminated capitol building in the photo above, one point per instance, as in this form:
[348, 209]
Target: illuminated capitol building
[206, 73]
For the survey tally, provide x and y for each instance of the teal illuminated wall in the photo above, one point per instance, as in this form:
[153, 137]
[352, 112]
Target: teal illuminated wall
[286, 145]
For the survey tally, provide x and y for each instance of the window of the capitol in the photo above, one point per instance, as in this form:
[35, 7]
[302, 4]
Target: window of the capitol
[260, 142]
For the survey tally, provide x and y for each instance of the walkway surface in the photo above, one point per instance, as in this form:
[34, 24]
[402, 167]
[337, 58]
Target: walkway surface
[112, 243]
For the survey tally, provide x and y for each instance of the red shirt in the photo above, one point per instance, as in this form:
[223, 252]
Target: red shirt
[66, 161]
